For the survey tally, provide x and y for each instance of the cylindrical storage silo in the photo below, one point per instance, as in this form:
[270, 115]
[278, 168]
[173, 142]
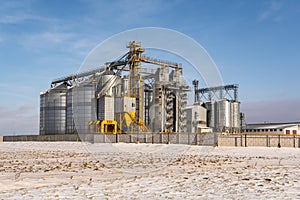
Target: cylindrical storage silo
[210, 106]
[53, 111]
[222, 115]
[84, 106]
[235, 116]
[106, 82]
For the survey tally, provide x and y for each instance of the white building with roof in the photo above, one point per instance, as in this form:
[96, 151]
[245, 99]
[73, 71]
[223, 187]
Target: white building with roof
[290, 128]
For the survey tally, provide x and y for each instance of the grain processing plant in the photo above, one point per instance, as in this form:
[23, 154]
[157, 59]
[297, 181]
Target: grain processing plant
[124, 96]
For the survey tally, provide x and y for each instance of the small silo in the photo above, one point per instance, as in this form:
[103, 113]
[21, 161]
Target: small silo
[106, 83]
[222, 115]
[235, 116]
[53, 110]
[105, 101]
[210, 106]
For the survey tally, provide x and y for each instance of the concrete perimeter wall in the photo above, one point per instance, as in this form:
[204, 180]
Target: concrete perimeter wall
[259, 140]
[212, 139]
[40, 138]
[157, 138]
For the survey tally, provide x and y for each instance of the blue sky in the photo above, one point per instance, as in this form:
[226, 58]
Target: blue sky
[253, 43]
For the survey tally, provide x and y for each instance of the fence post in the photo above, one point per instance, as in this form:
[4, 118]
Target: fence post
[267, 141]
[117, 138]
[161, 138]
[152, 138]
[294, 141]
[188, 138]
[241, 140]
[279, 145]
[245, 140]
[216, 139]
[235, 141]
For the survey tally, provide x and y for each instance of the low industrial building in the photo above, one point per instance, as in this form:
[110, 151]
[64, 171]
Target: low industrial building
[290, 128]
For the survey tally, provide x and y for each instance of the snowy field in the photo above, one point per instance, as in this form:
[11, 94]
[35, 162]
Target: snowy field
[70, 170]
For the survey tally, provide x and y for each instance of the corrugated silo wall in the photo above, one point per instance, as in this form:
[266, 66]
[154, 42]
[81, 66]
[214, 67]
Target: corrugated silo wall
[53, 112]
[70, 127]
[210, 114]
[223, 115]
[235, 116]
[84, 106]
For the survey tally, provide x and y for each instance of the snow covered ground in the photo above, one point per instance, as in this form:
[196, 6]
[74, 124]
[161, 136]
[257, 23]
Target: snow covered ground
[70, 170]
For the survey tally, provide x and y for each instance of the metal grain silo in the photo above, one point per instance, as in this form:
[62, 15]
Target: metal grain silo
[105, 102]
[53, 110]
[84, 105]
[210, 106]
[222, 117]
[235, 116]
[106, 83]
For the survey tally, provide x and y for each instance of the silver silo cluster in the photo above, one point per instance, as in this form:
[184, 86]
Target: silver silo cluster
[223, 107]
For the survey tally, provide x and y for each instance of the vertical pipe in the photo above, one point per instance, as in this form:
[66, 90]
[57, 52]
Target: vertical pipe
[195, 83]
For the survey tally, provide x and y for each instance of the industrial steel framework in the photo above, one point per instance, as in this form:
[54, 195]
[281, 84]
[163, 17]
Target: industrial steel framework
[229, 92]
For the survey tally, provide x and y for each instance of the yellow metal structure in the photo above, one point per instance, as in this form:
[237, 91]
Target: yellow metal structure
[135, 80]
[103, 126]
[129, 120]
[109, 126]
[133, 120]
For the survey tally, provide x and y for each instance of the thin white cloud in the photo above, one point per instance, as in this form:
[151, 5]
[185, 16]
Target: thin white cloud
[16, 12]
[56, 37]
[271, 12]
[8, 6]
[15, 19]
[46, 40]
[124, 12]
[64, 43]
